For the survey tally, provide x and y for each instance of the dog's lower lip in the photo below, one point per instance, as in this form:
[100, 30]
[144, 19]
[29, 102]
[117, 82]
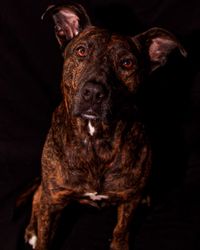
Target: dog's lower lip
[91, 117]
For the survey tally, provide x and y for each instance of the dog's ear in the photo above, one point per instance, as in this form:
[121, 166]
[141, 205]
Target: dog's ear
[69, 19]
[157, 44]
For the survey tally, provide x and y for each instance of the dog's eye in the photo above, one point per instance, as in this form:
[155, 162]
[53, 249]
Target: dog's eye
[81, 51]
[127, 64]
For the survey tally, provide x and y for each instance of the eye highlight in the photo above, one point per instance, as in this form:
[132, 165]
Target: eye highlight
[127, 64]
[81, 51]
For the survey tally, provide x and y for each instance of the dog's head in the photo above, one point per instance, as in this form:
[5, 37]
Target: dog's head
[102, 71]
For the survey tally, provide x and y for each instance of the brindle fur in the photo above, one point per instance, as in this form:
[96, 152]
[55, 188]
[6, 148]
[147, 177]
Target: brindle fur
[112, 166]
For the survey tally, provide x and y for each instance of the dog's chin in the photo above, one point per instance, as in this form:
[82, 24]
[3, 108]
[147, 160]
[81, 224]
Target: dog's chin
[94, 117]
[90, 117]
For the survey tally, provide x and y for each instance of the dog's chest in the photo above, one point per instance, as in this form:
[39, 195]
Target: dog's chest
[98, 159]
[98, 165]
[88, 160]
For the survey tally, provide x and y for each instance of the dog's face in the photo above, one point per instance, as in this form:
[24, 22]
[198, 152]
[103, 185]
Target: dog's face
[102, 71]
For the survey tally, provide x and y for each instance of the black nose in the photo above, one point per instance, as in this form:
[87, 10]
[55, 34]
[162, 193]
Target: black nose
[93, 92]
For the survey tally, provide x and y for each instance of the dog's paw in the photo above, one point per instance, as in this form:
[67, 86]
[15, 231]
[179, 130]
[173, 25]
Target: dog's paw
[33, 241]
[95, 197]
[31, 238]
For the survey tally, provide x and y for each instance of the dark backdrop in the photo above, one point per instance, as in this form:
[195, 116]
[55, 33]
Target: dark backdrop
[30, 72]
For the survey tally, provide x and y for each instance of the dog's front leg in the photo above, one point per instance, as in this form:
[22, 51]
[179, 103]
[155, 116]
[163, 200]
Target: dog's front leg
[45, 214]
[31, 230]
[47, 223]
[120, 239]
[44, 221]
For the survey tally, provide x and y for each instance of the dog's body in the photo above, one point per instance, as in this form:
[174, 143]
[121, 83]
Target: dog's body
[96, 152]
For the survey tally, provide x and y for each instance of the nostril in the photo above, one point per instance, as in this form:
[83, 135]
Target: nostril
[87, 94]
[99, 97]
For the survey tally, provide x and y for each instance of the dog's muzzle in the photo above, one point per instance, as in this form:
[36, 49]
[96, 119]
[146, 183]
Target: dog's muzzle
[92, 101]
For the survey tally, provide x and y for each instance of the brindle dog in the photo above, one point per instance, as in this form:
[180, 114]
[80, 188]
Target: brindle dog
[97, 151]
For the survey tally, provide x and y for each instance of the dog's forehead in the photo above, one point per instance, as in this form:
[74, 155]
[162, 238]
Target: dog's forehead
[118, 44]
[94, 33]
[104, 40]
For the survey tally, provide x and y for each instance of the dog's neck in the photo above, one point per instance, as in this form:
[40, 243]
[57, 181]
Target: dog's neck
[94, 129]
[101, 138]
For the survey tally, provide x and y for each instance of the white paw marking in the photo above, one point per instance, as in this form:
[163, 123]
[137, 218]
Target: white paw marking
[32, 241]
[91, 128]
[95, 197]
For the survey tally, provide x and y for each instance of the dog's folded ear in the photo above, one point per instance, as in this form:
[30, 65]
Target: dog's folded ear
[69, 20]
[157, 44]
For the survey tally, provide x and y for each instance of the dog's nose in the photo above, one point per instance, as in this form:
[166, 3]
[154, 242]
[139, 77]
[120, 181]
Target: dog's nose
[93, 92]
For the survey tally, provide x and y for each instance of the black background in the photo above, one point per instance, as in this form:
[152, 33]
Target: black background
[30, 73]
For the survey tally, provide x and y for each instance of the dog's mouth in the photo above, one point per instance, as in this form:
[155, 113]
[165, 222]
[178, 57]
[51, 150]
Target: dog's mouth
[90, 115]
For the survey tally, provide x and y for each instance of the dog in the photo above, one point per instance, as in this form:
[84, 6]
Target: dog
[97, 151]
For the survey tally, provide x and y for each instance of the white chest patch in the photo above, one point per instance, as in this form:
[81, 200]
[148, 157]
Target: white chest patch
[91, 128]
[96, 197]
